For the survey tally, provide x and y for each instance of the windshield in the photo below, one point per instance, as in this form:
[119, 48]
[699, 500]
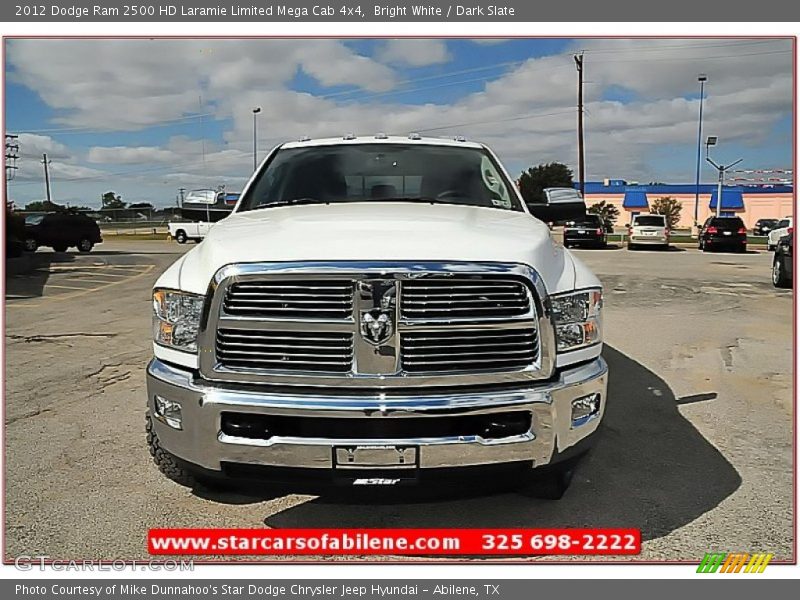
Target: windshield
[649, 221]
[33, 219]
[783, 223]
[588, 220]
[381, 173]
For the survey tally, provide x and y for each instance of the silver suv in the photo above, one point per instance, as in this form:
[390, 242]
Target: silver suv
[648, 230]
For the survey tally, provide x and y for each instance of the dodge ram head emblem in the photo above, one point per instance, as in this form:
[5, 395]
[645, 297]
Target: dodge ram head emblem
[377, 322]
[376, 329]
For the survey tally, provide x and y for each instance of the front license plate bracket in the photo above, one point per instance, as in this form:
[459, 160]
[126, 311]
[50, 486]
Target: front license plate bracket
[375, 456]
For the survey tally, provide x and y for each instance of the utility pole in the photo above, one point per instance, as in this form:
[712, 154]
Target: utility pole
[181, 191]
[46, 164]
[581, 165]
[12, 154]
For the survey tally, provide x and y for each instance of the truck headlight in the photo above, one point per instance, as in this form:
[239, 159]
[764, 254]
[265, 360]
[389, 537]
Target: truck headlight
[176, 319]
[577, 318]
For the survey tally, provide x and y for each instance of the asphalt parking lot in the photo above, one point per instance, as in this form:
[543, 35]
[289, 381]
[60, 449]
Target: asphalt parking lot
[696, 452]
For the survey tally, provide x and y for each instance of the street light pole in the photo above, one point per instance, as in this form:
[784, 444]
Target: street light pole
[256, 110]
[702, 78]
[712, 140]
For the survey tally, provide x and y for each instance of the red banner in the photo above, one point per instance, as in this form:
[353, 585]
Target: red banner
[417, 542]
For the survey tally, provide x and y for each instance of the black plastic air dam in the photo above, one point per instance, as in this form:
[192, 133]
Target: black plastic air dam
[488, 426]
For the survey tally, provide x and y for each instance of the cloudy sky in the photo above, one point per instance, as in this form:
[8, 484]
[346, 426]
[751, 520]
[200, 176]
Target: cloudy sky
[146, 117]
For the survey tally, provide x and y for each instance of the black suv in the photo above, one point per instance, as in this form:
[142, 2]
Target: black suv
[720, 233]
[61, 231]
[589, 230]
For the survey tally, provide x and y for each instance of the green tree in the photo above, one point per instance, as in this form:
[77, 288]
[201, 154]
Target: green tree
[608, 212]
[670, 208]
[112, 200]
[535, 180]
[44, 206]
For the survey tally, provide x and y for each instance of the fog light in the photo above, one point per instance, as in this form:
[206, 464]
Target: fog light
[168, 411]
[584, 408]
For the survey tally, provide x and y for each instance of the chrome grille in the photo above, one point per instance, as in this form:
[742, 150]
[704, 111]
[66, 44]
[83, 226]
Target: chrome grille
[304, 299]
[382, 325]
[461, 349]
[329, 352]
[477, 298]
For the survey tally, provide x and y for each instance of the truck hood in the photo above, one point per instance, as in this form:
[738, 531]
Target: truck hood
[392, 231]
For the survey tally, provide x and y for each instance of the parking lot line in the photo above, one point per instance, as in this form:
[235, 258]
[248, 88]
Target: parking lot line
[79, 291]
[88, 280]
[64, 287]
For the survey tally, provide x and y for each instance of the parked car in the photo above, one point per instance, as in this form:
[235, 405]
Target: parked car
[648, 230]
[764, 226]
[61, 231]
[723, 233]
[781, 230]
[589, 230]
[183, 231]
[431, 279]
[782, 260]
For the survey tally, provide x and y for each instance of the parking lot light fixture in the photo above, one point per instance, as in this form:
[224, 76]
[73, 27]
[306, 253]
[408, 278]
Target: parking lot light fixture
[702, 78]
[256, 110]
[712, 141]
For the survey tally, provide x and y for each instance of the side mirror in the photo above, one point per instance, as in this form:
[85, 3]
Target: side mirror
[560, 205]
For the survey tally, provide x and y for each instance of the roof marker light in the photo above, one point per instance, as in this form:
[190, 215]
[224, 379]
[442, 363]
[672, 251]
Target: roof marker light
[349, 136]
[459, 138]
[305, 138]
[381, 136]
[414, 136]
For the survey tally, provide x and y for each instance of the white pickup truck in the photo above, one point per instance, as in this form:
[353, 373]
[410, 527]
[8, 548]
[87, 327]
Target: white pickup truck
[377, 311]
[181, 232]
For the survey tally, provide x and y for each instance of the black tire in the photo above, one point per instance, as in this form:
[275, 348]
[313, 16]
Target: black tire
[178, 470]
[780, 278]
[31, 245]
[168, 464]
[180, 236]
[550, 482]
[60, 247]
[85, 245]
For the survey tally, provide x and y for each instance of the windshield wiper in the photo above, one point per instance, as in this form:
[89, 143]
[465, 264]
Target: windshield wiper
[291, 202]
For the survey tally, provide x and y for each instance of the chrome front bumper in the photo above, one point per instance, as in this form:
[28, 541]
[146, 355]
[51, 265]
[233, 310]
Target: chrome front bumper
[201, 442]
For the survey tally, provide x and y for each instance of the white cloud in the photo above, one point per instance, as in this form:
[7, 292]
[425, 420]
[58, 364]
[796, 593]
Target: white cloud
[136, 82]
[129, 84]
[414, 52]
[129, 155]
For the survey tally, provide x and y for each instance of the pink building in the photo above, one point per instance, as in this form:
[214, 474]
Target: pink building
[751, 203]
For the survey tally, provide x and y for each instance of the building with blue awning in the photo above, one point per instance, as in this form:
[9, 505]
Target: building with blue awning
[750, 202]
[732, 199]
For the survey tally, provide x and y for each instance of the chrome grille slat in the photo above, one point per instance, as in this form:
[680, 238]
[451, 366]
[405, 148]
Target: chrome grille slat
[300, 299]
[463, 350]
[285, 351]
[485, 297]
